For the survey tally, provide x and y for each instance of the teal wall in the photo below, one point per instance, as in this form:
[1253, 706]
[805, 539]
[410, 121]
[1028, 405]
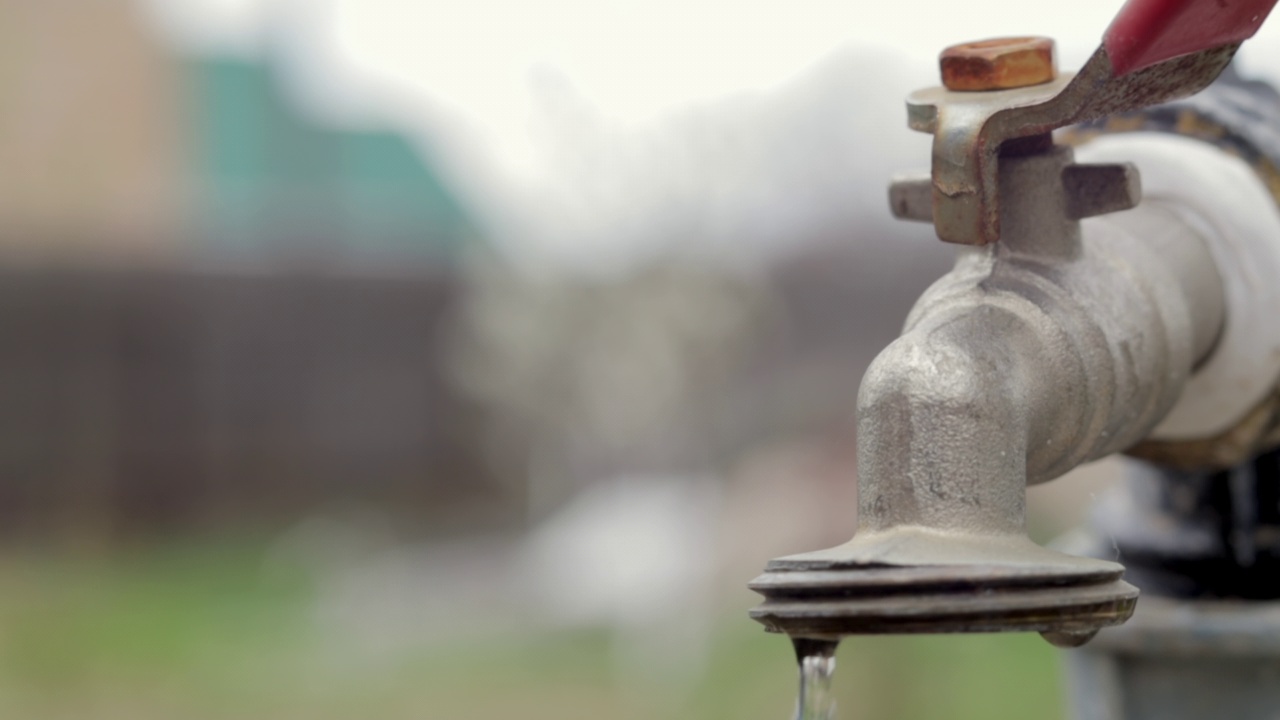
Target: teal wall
[269, 179]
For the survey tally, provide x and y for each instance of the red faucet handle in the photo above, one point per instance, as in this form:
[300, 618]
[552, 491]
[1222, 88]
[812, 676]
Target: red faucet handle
[1153, 52]
[1147, 32]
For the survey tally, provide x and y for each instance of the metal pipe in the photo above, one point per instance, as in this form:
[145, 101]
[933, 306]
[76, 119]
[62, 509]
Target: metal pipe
[1064, 342]
[1049, 349]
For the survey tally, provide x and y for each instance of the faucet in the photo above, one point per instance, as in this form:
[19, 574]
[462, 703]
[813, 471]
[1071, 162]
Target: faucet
[1080, 319]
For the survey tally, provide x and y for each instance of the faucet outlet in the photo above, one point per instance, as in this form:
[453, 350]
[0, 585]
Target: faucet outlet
[1070, 339]
[1069, 329]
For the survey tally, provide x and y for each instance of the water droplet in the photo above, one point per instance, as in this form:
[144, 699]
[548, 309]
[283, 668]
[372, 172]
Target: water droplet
[817, 660]
[1066, 639]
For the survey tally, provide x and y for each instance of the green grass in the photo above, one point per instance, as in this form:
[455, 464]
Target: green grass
[199, 631]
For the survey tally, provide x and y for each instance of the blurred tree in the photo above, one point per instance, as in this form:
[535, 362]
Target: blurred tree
[582, 379]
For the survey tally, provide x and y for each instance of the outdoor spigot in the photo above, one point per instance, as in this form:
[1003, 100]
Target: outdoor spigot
[1068, 330]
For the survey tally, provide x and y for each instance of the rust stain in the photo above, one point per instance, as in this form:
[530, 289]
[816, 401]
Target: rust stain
[998, 64]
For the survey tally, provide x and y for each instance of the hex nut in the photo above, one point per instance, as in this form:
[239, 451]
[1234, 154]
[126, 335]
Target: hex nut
[998, 64]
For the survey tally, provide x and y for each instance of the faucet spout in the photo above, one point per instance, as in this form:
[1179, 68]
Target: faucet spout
[1056, 346]
[945, 416]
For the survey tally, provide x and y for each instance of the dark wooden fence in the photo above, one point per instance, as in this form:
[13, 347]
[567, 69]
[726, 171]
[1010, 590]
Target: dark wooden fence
[163, 401]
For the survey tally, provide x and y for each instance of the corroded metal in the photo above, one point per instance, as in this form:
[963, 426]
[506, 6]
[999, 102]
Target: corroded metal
[969, 128]
[1090, 190]
[1238, 116]
[1071, 600]
[1049, 349]
[998, 64]
[1094, 190]
[1221, 414]
[1060, 344]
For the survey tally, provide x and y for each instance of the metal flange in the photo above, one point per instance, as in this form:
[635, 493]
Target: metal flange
[971, 128]
[1067, 604]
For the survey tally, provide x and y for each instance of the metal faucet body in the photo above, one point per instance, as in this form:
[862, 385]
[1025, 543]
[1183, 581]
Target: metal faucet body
[1066, 341]
[1077, 322]
[1057, 340]
[1051, 348]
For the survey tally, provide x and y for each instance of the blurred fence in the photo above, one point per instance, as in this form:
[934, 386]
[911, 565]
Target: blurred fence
[147, 399]
[135, 399]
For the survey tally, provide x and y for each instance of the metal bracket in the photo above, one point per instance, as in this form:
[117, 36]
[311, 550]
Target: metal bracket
[1090, 190]
[971, 128]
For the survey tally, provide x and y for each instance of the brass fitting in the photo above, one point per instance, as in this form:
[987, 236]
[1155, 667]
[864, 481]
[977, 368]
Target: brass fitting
[998, 64]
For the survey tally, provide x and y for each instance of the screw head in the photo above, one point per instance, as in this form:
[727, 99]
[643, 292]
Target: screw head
[998, 64]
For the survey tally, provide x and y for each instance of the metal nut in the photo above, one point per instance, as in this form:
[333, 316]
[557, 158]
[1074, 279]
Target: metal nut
[998, 64]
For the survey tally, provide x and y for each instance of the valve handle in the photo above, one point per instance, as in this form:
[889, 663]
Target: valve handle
[1153, 52]
[1147, 32]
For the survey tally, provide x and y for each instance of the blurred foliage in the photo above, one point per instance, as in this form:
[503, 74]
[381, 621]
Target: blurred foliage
[270, 177]
[219, 629]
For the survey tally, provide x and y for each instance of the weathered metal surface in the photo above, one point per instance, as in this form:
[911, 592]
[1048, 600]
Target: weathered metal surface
[1066, 599]
[1094, 190]
[1238, 117]
[911, 198]
[1091, 190]
[998, 64]
[1049, 349]
[969, 128]
[1200, 182]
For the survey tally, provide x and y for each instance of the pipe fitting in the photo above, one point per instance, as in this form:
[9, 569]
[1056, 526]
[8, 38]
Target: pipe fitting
[1060, 344]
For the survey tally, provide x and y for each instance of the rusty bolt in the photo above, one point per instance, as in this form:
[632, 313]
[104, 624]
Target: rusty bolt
[998, 64]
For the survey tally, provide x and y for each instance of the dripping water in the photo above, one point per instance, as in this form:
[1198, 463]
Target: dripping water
[817, 659]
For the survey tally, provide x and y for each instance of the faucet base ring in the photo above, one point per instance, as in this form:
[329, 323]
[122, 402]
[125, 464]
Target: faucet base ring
[826, 603]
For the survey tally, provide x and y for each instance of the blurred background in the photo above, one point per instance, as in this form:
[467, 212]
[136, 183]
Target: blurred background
[365, 358]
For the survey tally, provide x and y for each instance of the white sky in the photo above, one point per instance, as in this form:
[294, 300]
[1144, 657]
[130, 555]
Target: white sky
[632, 58]
[490, 75]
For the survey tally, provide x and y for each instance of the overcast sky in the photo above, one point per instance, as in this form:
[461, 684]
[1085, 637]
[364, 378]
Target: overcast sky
[512, 84]
[632, 58]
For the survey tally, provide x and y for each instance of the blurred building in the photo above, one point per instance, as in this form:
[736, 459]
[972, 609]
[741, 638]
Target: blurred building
[214, 308]
[92, 146]
[271, 181]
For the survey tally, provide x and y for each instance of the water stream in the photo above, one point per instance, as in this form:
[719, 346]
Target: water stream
[817, 660]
